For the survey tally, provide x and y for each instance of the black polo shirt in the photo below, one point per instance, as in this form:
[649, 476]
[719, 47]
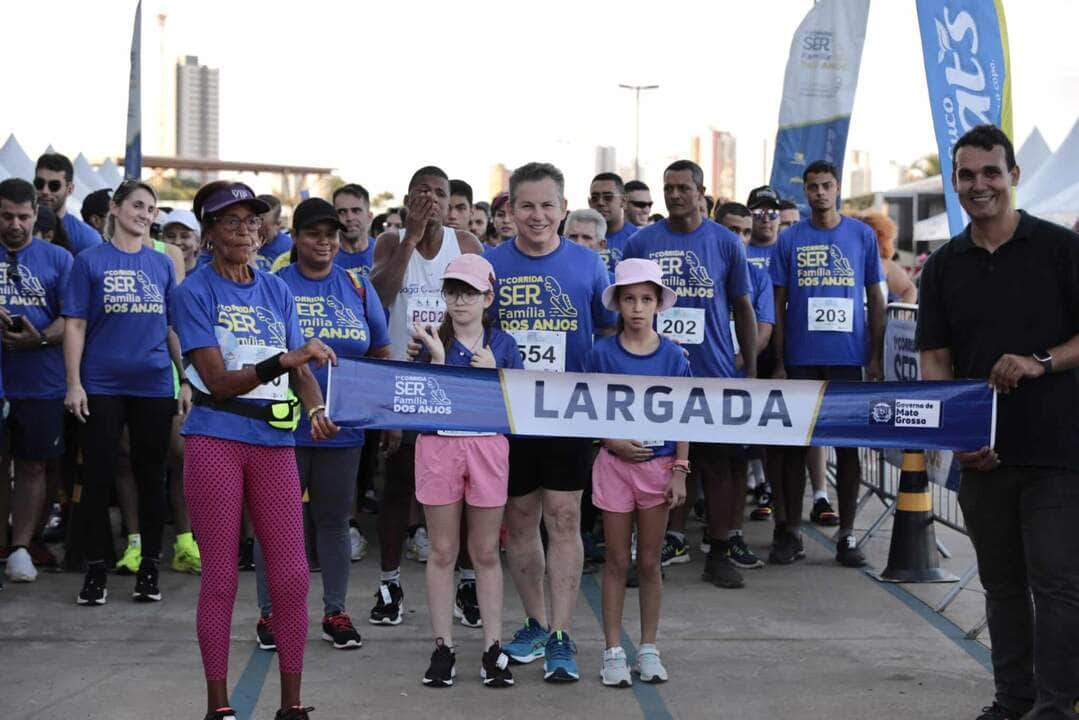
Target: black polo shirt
[1022, 299]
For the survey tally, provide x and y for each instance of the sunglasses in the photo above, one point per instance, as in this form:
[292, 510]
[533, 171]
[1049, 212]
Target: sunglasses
[641, 204]
[765, 214]
[54, 185]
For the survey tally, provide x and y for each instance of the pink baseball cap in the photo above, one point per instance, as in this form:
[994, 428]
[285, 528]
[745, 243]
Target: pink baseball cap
[633, 271]
[472, 269]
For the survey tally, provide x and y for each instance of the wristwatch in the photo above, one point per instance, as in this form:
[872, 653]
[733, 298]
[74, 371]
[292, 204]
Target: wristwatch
[1045, 360]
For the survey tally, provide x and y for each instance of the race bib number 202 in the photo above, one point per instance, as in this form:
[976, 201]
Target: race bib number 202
[683, 325]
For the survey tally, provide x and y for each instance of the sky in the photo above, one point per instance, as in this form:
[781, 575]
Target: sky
[378, 89]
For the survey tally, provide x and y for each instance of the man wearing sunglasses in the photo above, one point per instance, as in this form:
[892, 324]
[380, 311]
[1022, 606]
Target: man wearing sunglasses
[607, 196]
[763, 204]
[638, 203]
[53, 180]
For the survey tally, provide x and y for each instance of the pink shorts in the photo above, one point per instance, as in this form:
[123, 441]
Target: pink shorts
[475, 469]
[622, 487]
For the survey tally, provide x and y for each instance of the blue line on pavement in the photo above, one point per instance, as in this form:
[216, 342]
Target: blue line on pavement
[246, 693]
[648, 697]
[950, 630]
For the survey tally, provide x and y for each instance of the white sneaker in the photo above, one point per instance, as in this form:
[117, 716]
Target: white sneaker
[419, 545]
[649, 666]
[358, 544]
[615, 670]
[20, 568]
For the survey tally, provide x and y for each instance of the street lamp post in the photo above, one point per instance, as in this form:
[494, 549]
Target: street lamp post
[637, 125]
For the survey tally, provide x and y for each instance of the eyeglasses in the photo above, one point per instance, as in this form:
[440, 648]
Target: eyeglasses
[467, 297]
[605, 197]
[641, 204]
[765, 214]
[41, 183]
[232, 223]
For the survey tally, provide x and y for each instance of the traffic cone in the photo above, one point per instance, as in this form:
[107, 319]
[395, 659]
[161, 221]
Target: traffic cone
[913, 556]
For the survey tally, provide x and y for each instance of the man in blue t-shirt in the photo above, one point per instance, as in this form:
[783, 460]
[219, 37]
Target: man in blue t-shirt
[705, 264]
[763, 204]
[53, 180]
[276, 243]
[31, 284]
[353, 205]
[607, 196]
[825, 269]
[549, 297]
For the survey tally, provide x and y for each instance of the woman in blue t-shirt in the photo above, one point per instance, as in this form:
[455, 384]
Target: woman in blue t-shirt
[239, 329]
[345, 313]
[119, 372]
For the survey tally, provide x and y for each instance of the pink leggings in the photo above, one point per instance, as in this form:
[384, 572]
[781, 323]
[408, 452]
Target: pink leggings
[219, 476]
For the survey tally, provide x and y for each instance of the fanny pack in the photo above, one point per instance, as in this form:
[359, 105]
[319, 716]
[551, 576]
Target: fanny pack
[280, 414]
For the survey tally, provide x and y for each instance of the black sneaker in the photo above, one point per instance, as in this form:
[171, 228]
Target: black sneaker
[264, 634]
[146, 589]
[93, 590]
[495, 668]
[786, 548]
[823, 514]
[999, 712]
[763, 511]
[847, 552]
[467, 608]
[339, 630]
[675, 551]
[296, 712]
[389, 604]
[222, 713]
[742, 556]
[441, 671]
[247, 554]
[720, 571]
[55, 529]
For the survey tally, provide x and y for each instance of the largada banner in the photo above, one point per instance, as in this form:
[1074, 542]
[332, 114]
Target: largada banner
[965, 44]
[818, 93]
[431, 398]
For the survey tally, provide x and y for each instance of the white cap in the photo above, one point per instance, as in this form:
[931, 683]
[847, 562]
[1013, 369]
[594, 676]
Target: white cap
[181, 217]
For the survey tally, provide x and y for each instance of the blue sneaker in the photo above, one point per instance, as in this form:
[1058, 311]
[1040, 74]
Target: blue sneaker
[559, 664]
[528, 643]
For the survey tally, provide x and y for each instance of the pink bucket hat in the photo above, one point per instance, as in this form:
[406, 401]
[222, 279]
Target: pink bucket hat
[633, 271]
[472, 269]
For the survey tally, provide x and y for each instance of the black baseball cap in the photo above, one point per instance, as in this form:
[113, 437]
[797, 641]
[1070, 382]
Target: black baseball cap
[314, 210]
[763, 196]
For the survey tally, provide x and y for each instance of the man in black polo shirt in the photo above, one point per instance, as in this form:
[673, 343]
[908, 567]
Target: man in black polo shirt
[1001, 301]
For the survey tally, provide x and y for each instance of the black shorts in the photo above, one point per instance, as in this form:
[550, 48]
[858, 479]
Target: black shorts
[846, 373]
[711, 461]
[550, 463]
[36, 429]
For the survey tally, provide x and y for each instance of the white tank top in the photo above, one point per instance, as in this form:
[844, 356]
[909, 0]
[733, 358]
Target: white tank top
[420, 297]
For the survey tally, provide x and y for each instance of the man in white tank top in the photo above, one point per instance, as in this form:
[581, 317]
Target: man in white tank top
[407, 274]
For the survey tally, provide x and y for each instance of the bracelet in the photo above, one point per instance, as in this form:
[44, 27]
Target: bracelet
[269, 368]
[682, 464]
[681, 468]
[317, 409]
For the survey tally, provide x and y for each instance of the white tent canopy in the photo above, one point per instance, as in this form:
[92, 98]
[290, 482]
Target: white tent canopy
[86, 177]
[110, 173]
[1056, 174]
[1032, 155]
[15, 160]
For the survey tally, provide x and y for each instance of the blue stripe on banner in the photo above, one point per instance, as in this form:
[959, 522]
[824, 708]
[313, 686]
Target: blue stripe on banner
[930, 415]
[798, 146]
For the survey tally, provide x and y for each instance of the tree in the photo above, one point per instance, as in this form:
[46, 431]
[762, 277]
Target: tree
[927, 165]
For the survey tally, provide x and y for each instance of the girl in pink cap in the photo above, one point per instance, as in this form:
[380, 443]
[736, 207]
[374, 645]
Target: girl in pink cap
[643, 476]
[455, 471]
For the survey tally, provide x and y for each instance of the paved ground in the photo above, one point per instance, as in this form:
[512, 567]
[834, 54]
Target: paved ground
[810, 641]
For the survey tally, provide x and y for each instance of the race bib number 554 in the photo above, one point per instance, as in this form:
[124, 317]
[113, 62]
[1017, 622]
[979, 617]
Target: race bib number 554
[542, 350]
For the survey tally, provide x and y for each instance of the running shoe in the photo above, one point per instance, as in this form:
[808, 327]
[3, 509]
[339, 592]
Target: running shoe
[785, 549]
[466, 607]
[20, 567]
[615, 672]
[559, 661]
[247, 554]
[130, 561]
[706, 542]
[222, 713]
[720, 571]
[763, 511]
[339, 630]
[997, 711]
[675, 551]
[55, 528]
[495, 668]
[649, 666]
[357, 542]
[93, 587]
[419, 545]
[847, 552]
[741, 555]
[823, 514]
[296, 712]
[529, 643]
[389, 604]
[264, 634]
[185, 556]
[146, 588]
[441, 671]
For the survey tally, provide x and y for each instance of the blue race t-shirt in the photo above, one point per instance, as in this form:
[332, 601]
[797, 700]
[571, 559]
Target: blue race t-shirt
[764, 299]
[247, 321]
[271, 251]
[707, 269]
[501, 344]
[825, 273]
[360, 263]
[34, 291]
[80, 236]
[348, 319]
[610, 358]
[123, 298]
[552, 305]
[760, 255]
[616, 245]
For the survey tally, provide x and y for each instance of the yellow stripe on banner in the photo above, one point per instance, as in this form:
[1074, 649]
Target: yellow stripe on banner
[816, 412]
[914, 462]
[506, 400]
[914, 502]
